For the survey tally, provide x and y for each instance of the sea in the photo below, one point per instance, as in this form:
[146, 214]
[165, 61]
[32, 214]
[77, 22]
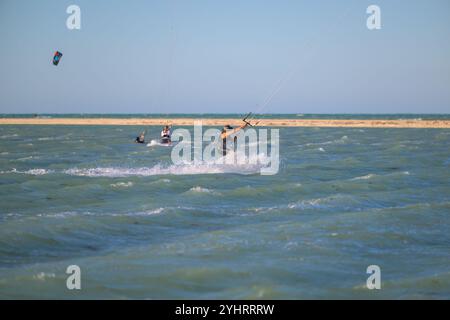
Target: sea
[345, 202]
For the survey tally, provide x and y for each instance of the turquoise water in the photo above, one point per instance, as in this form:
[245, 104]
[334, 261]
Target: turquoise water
[140, 227]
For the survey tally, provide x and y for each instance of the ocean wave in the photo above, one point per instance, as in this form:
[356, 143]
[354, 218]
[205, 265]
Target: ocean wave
[373, 175]
[41, 276]
[220, 165]
[140, 213]
[34, 172]
[37, 172]
[414, 206]
[343, 202]
[122, 184]
[27, 158]
[367, 176]
[200, 190]
[330, 202]
[178, 169]
[121, 172]
[68, 214]
[153, 143]
[46, 139]
[7, 136]
[64, 214]
[265, 209]
[341, 140]
[112, 172]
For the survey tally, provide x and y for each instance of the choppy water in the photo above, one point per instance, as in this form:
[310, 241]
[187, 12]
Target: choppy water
[141, 227]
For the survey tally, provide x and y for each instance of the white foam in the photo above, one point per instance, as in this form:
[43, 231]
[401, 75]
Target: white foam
[7, 136]
[341, 140]
[185, 168]
[160, 181]
[175, 169]
[367, 176]
[34, 172]
[113, 172]
[141, 213]
[157, 143]
[27, 158]
[63, 214]
[37, 172]
[41, 276]
[323, 203]
[264, 209]
[122, 184]
[199, 189]
[67, 214]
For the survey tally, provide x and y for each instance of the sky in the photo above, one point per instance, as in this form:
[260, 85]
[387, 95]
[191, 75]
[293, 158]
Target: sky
[205, 56]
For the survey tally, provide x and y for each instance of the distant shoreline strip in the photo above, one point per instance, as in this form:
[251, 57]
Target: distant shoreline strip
[340, 123]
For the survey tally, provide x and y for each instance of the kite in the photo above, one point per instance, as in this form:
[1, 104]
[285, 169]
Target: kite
[56, 57]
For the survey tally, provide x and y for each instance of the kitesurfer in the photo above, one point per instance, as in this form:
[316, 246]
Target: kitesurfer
[165, 135]
[140, 138]
[226, 132]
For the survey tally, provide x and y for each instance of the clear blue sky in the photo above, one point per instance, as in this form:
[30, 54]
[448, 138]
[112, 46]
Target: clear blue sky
[189, 56]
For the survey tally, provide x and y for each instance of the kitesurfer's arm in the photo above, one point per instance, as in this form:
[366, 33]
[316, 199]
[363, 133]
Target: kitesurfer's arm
[224, 135]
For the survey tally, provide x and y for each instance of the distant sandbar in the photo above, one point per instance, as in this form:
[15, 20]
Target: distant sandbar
[351, 123]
